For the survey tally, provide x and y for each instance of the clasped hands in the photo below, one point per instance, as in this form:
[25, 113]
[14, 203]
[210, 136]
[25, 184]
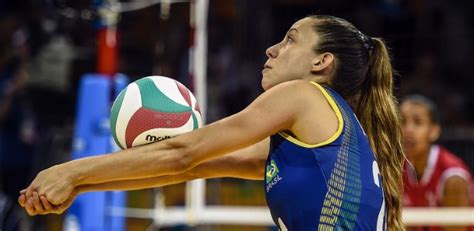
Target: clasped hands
[52, 191]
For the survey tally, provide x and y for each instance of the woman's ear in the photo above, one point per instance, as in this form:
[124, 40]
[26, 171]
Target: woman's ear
[323, 63]
[435, 132]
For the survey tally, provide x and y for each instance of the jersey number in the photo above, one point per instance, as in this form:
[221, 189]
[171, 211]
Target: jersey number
[380, 218]
[282, 225]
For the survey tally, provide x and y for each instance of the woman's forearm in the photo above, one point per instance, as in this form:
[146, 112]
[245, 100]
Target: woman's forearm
[247, 163]
[169, 157]
[135, 184]
[145, 161]
[203, 171]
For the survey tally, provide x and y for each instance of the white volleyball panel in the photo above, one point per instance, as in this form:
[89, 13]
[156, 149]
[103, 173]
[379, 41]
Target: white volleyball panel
[132, 101]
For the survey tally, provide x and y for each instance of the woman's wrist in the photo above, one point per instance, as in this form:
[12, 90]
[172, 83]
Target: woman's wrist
[83, 189]
[77, 172]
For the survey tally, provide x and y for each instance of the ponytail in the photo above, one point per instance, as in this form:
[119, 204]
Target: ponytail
[364, 79]
[377, 111]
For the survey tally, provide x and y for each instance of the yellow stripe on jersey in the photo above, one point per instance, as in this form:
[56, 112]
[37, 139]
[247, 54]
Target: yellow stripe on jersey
[331, 139]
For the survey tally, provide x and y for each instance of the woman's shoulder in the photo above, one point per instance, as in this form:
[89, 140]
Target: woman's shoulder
[448, 159]
[301, 90]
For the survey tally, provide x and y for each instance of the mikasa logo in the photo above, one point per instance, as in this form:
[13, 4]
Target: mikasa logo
[156, 138]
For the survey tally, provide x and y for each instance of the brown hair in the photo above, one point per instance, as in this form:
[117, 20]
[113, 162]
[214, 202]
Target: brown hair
[363, 76]
[426, 102]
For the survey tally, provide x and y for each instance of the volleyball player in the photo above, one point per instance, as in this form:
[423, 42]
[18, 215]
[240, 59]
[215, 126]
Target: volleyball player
[322, 171]
[434, 177]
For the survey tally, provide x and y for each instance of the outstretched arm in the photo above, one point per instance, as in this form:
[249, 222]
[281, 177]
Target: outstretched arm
[247, 163]
[273, 111]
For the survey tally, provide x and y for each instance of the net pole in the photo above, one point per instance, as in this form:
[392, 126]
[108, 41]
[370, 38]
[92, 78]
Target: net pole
[196, 190]
[107, 48]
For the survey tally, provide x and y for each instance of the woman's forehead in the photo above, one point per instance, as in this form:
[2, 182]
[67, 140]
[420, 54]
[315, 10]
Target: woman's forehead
[415, 107]
[304, 29]
[304, 23]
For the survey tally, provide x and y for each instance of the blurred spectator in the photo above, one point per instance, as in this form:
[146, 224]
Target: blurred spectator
[433, 177]
[16, 125]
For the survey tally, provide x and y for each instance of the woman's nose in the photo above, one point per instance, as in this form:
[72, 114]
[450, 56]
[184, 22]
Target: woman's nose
[272, 52]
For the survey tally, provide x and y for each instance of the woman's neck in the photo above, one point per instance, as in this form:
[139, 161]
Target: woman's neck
[318, 79]
[419, 162]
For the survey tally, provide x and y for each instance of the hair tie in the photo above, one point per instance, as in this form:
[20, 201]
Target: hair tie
[367, 41]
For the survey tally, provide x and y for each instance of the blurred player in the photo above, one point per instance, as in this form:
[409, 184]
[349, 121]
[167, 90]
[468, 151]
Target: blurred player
[435, 177]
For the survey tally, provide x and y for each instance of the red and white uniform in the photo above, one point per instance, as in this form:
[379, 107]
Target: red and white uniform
[428, 191]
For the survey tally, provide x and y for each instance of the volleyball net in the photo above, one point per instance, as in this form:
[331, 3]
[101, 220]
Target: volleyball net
[163, 216]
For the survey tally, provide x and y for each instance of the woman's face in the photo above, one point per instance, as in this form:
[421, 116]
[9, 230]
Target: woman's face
[418, 129]
[291, 58]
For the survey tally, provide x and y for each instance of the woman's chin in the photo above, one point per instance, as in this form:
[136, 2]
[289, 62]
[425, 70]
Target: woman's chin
[265, 85]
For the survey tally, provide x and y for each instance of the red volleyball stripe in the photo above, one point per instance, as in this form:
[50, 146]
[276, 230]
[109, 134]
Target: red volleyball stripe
[184, 92]
[145, 119]
[197, 108]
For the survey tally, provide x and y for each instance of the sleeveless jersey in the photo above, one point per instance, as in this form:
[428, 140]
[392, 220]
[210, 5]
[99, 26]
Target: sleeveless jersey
[333, 185]
[428, 191]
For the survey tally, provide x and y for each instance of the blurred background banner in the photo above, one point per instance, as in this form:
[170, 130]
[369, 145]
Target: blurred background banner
[46, 46]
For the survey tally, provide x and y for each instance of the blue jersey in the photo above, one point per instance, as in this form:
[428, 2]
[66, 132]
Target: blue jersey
[333, 185]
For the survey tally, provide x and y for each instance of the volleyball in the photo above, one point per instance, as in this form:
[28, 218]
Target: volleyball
[153, 109]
